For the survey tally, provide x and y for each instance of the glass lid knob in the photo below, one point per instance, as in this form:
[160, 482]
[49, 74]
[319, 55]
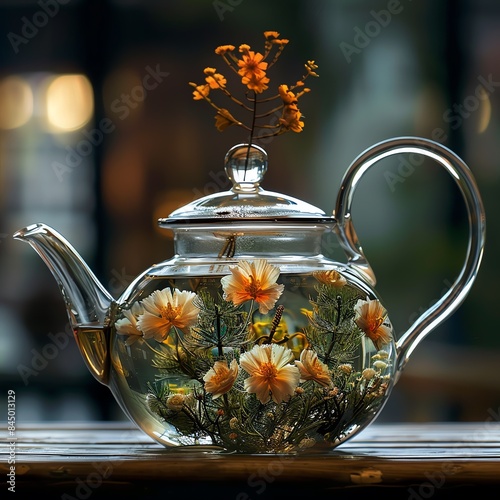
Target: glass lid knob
[245, 166]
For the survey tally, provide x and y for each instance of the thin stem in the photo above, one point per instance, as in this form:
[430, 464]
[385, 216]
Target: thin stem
[271, 111]
[228, 94]
[218, 326]
[236, 101]
[161, 354]
[276, 56]
[272, 98]
[198, 423]
[252, 131]
[232, 63]
[249, 316]
[332, 342]
[177, 352]
[278, 132]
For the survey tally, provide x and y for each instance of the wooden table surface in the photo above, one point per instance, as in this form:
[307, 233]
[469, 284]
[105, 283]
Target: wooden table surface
[407, 461]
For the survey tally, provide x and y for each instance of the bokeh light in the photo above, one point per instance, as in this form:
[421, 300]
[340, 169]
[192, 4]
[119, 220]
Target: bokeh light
[16, 102]
[69, 103]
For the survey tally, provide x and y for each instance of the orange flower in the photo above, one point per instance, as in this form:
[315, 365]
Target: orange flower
[224, 119]
[271, 34]
[287, 96]
[311, 368]
[223, 49]
[281, 42]
[253, 67]
[244, 48]
[164, 309]
[253, 70]
[272, 38]
[253, 281]
[256, 84]
[200, 92]
[252, 64]
[271, 374]
[310, 67]
[290, 119]
[333, 278]
[370, 317]
[219, 379]
[215, 80]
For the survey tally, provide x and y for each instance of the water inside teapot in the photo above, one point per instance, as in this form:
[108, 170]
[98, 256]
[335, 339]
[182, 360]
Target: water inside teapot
[264, 376]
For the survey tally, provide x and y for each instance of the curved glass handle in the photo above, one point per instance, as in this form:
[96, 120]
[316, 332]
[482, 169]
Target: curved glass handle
[462, 175]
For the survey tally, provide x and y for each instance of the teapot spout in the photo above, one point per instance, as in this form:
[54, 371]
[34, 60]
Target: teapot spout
[88, 304]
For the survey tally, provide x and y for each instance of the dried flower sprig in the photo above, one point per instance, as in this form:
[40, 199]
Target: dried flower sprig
[281, 113]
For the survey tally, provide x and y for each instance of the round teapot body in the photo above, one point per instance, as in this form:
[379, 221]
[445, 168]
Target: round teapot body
[255, 354]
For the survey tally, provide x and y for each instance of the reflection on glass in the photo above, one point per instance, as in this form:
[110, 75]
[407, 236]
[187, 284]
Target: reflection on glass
[484, 110]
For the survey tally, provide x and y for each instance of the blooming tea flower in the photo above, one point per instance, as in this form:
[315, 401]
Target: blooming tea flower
[370, 317]
[176, 401]
[271, 374]
[128, 325]
[253, 281]
[380, 365]
[368, 373]
[333, 278]
[164, 309]
[220, 378]
[345, 368]
[381, 355]
[311, 368]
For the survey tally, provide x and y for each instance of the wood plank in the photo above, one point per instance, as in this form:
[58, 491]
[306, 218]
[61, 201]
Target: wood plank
[123, 459]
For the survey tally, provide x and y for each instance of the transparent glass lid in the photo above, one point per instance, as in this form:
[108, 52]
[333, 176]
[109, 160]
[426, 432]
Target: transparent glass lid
[245, 166]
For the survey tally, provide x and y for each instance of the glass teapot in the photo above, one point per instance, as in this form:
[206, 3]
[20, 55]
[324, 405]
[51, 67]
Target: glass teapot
[249, 339]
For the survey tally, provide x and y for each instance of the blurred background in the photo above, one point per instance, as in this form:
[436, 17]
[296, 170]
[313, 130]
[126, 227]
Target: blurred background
[100, 136]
